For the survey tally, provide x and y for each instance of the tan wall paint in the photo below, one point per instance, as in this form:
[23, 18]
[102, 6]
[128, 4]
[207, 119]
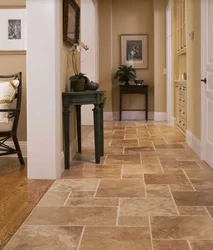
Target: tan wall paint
[13, 63]
[193, 19]
[105, 54]
[159, 55]
[132, 17]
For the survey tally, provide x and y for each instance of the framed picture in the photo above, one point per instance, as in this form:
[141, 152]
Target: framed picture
[134, 51]
[71, 22]
[13, 29]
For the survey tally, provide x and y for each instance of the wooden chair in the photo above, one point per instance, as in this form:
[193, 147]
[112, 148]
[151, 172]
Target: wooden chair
[9, 130]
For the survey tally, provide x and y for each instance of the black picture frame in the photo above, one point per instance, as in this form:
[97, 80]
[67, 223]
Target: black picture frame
[71, 22]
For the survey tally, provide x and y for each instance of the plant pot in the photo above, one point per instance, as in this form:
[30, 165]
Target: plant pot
[78, 85]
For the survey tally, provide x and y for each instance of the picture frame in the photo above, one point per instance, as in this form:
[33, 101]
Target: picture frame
[13, 29]
[71, 22]
[134, 51]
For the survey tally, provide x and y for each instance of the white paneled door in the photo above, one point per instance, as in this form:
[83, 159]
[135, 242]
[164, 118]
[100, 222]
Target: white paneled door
[207, 80]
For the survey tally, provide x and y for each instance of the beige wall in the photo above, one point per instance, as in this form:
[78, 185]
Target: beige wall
[159, 55]
[193, 19]
[12, 63]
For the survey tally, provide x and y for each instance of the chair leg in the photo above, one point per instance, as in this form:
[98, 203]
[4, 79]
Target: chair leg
[18, 149]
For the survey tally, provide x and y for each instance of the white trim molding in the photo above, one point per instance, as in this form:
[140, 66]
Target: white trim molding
[160, 116]
[23, 146]
[173, 122]
[193, 142]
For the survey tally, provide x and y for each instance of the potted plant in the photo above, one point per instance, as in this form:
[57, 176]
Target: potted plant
[125, 74]
[79, 80]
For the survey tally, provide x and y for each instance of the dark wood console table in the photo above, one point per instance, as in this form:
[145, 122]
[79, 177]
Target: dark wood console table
[134, 89]
[83, 98]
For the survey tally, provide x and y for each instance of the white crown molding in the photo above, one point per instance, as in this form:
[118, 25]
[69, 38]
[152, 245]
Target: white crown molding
[193, 142]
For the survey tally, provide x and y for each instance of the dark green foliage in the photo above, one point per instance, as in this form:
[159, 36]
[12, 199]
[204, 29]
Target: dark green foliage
[125, 73]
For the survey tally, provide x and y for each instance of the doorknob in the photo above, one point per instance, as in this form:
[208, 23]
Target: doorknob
[204, 80]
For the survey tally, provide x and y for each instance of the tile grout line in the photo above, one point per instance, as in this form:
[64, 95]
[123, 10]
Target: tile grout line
[122, 172]
[140, 158]
[199, 165]
[208, 213]
[99, 181]
[144, 185]
[81, 237]
[190, 247]
[104, 163]
[154, 146]
[162, 167]
[188, 179]
[173, 200]
[67, 198]
[150, 230]
[118, 212]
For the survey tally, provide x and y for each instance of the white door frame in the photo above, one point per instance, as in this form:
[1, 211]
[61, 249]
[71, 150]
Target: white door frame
[169, 61]
[203, 75]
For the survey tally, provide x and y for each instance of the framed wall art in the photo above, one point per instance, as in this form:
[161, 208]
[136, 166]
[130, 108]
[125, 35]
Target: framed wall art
[71, 22]
[134, 51]
[13, 30]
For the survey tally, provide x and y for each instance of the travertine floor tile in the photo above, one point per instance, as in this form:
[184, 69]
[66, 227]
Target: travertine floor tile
[86, 194]
[115, 238]
[141, 169]
[203, 184]
[133, 221]
[184, 210]
[92, 202]
[121, 188]
[53, 199]
[147, 207]
[126, 143]
[135, 150]
[72, 216]
[168, 146]
[165, 179]
[200, 174]
[182, 227]
[193, 198]
[201, 244]
[77, 185]
[210, 210]
[123, 159]
[45, 238]
[158, 191]
[150, 160]
[170, 245]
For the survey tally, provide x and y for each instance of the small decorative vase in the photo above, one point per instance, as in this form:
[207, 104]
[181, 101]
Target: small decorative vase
[78, 85]
[91, 86]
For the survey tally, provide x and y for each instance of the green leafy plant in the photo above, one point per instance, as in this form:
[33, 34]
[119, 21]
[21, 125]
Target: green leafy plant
[125, 74]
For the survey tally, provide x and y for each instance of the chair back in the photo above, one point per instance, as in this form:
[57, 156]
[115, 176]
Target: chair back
[18, 97]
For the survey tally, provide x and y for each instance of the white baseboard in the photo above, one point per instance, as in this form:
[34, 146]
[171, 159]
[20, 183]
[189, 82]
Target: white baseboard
[116, 116]
[173, 122]
[160, 116]
[23, 146]
[108, 116]
[133, 115]
[193, 142]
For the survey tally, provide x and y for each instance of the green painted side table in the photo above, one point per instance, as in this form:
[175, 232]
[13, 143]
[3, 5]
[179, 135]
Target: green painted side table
[78, 99]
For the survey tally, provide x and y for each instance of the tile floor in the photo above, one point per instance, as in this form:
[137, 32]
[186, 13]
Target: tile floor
[150, 192]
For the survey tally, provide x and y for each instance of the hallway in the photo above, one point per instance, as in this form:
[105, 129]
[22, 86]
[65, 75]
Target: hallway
[150, 192]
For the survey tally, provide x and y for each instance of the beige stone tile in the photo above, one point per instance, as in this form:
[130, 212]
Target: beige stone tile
[181, 187]
[192, 210]
[147, 207]
[111, 150]
[136, 150]
[73, 216]
[114, 136]
[141, 169]
[45, 238]
[186, 165]
[133, 221]
[138, 136]
[204, 165]
[201, 244]
[182, 227]
[168, 146]
[123, 159]
[53, 199]
[121, 188]
[94, 173]
[92, 202]
[150, 160]
[114, 238]
[199, 174]
[203, 184]
[87, 194]
[185, 155]
[128, 131]
[157, 191]
[210, 210]
[193, 198]
[125, 143]
[170, 245]
[165, 179]
[70, 185]
[143, 141]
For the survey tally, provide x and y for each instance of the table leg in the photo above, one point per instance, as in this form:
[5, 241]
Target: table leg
[66, 130]
[120, 114]
[146, 95]
[101, 129]
[97, 130]
[78, 117]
